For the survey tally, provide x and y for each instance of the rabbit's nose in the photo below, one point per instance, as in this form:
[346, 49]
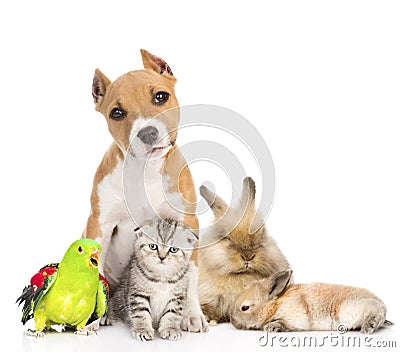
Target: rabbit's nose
[248, 257]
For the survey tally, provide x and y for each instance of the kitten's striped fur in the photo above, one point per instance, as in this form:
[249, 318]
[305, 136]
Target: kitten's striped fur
[153, 290]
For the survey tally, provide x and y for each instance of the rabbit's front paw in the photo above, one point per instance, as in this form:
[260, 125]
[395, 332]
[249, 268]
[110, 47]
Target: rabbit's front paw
[275, 326]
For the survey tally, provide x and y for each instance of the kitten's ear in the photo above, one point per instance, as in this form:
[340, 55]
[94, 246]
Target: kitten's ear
[138, 232]
[185, 239]
[192, 237]
[147, 223]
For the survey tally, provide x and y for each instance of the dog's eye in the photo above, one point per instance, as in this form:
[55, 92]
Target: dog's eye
[173, 249]
[244, 308]
[160, 98]
[153, 247]
[117, 114]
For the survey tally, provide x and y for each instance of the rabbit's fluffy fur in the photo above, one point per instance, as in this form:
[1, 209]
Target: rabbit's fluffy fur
[275, 305]
[232, 255]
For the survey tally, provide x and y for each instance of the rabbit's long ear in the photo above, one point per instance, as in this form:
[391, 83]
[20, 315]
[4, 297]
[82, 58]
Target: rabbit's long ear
[278, 283]
[217, 205]
[247, 200]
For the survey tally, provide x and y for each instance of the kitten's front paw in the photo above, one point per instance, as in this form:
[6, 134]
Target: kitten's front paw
[171, 334]
[194, 322]
[106, 320]
[143, 334]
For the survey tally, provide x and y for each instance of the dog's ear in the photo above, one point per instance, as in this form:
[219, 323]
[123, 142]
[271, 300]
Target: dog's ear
[155, 63]
[99, 86]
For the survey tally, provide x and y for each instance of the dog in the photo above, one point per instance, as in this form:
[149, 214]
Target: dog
[143, 173]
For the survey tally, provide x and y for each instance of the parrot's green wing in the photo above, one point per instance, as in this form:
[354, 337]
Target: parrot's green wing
[101, 300]
[32, 294]
[48, 282]
[102, 297]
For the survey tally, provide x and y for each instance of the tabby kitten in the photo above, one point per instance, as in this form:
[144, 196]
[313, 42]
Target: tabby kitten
[152, 292]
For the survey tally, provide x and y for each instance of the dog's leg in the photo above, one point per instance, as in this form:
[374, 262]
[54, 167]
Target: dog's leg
[102, 233]
[194, 319]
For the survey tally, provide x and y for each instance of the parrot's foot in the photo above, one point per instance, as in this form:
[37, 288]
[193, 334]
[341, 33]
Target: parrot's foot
[93, 326]
[34, 333]
[85, 332]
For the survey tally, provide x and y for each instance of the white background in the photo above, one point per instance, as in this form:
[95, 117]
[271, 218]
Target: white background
[319, 80]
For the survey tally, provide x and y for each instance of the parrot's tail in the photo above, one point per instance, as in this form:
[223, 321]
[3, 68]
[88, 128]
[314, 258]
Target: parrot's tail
[26, 297]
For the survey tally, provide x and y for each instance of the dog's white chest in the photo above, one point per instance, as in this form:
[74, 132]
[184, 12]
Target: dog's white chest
[134, 192]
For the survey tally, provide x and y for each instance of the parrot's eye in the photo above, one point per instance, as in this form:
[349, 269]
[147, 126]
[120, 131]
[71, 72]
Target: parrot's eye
[80, 249]
[153, 247]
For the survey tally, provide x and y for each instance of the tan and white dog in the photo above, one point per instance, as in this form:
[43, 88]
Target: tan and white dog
[143, 173]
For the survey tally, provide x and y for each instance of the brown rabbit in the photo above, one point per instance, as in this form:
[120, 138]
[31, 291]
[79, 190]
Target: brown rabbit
[231, 256]
[275, 305]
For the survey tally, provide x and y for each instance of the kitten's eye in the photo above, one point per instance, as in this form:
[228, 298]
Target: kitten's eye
[244, 308]
[80, 249]
[117, 114]
[173, 249]
[160, 98]
[153, 247]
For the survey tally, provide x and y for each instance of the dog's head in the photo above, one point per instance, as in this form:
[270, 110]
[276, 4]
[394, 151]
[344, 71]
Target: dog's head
[140, 108]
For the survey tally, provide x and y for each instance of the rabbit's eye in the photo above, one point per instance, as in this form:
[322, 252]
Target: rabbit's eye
[244, 308]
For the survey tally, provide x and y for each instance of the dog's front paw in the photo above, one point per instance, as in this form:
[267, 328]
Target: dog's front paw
[195, 322]
[143, 334]
[171, 334]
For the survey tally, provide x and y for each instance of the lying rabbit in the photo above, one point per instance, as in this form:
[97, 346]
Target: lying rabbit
[231, 255]
[275, 305]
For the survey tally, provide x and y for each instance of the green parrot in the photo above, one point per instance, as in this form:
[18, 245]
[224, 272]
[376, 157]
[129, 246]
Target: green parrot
[70, 293]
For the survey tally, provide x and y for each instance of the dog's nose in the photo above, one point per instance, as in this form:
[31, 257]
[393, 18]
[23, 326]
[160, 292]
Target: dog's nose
[148, 135]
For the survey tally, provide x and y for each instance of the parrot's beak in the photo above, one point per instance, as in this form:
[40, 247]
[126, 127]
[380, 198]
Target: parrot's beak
[95, 258]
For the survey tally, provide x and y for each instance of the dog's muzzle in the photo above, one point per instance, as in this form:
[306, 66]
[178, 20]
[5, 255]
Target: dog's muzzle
[148, 135]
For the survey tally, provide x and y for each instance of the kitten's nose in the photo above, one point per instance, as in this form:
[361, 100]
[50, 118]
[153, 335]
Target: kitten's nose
[148, 135]
[162, 256]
